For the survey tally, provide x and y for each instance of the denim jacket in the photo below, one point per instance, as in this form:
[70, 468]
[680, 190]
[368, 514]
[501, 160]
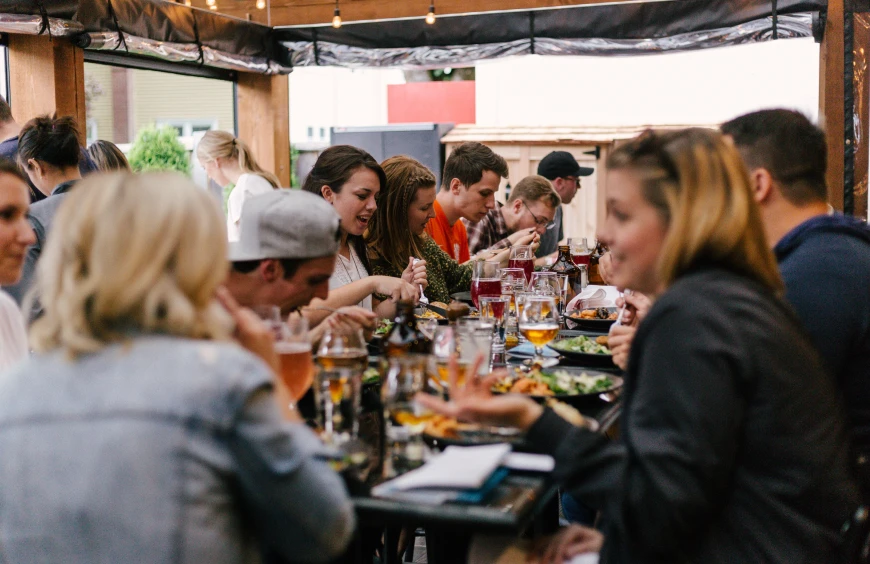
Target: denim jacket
[162, 450]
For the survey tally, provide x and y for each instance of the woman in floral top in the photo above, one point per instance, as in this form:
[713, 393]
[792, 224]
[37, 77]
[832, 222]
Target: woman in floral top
[397, 231]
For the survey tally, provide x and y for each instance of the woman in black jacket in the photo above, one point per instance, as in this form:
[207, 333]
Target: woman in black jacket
[733, 446]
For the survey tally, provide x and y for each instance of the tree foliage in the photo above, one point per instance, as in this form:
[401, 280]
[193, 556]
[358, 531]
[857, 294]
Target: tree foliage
[159, 149]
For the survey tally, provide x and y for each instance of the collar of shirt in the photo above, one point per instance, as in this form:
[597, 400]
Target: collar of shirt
[63, 187]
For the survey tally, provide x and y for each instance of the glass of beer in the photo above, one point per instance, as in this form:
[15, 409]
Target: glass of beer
[342, 358]
[539, 322]
[294, 352]
[405, 418]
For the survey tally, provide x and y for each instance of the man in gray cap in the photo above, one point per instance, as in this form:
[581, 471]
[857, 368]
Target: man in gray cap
[286, 253]
[562, 169]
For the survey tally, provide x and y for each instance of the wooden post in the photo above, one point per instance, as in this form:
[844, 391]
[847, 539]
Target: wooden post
[831, 100]
[861, 110]
[264, 120]
[47, 76]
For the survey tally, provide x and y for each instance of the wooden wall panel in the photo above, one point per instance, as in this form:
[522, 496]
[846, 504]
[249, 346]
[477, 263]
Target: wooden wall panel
[263, 114]
[831, 100]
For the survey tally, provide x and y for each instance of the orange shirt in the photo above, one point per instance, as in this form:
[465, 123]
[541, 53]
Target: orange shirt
[452, 240]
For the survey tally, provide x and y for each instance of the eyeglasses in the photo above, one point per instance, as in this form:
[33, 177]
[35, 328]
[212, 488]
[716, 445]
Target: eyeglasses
[572, 179]
[542, 221]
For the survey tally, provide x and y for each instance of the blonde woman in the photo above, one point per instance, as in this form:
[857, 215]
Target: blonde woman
[733, 447]
[107, 156]
[165, 435]
[228, 160]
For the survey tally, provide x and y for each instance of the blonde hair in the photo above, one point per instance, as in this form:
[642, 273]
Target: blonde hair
[534, 188]
[107, 156]
[131, 253]
[217, 144]
[701, 188]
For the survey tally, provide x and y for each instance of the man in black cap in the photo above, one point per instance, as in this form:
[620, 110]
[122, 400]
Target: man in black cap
[560, 168]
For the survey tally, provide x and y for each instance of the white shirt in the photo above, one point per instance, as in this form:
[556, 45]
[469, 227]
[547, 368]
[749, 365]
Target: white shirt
[248, 185]
[347, 271]
[13, 335]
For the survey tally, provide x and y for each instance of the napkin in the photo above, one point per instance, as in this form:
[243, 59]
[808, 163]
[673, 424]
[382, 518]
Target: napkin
[459, 468]
[608, 299]
[527, 350]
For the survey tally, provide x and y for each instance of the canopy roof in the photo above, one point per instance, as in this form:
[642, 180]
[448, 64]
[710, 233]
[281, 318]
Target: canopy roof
[178, 33]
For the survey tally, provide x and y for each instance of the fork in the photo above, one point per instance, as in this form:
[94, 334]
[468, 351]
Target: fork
[424, 301]
[619, 317]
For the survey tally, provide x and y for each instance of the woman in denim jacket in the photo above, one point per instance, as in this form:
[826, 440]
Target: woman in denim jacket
[140, 432]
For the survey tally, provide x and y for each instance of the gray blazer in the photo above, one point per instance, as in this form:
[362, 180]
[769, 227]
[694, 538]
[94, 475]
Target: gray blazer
[162, 450]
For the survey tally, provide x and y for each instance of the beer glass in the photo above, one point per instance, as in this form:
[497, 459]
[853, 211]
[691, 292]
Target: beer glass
[539, 322]
[522, 256]
[513, 281]
[342, 358]
[405, 418]
[485, 280]
[294, 353]
[492, 311]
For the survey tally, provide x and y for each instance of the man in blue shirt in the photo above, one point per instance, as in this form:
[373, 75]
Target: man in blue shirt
[824, 258]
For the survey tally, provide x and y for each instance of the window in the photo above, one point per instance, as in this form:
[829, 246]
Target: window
[186, 128]
[310, 133]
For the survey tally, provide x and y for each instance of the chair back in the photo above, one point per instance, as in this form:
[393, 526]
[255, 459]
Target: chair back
[856, 537]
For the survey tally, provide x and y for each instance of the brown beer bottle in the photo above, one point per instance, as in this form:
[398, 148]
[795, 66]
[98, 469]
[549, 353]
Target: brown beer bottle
[404, 337]
[565, 265]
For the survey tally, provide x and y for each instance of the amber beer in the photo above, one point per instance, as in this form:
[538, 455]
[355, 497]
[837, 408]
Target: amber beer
[443, 368]
[297, 368]
[540, 335]
[354, 360]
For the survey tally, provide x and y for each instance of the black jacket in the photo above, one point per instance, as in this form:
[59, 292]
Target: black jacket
[825, 264]
[733, 446]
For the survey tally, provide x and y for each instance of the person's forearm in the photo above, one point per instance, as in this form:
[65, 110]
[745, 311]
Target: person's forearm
[349, 294]
[385, 309]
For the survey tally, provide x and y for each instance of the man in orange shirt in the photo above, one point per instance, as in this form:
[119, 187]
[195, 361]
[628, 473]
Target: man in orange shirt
[471, 177]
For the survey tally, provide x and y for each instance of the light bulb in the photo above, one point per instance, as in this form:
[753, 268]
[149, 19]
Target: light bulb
[211, 2]
[430, 18]
[213, 7]
[261, 4]
[187, 2]
[336, 21]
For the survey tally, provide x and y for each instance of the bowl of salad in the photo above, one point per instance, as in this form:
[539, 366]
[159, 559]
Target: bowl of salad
[586, 349]
[562, 383]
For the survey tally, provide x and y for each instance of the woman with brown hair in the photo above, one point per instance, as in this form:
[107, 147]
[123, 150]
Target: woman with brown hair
[228, 160]
[397, 232]
[733, 446]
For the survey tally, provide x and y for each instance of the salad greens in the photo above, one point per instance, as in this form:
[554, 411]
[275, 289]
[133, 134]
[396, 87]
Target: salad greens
[563, 382]
[383, 327]
[580, 344]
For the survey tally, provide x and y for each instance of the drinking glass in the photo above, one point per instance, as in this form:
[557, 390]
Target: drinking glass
[539, 322]
[427, 325]
[580, 250]
[405, 418]
[474, 337]
[485, 280]
[545, 284]
[443, 348]
[522, 256]
[271, 316]
[294, 353]
[513, 280]
[492, 311]
[342, 357]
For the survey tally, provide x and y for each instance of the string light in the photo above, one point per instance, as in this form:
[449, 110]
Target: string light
[336, 18]
[187, 3]
[213, 7]
[430, 17]
[261, 4]
[211, 3]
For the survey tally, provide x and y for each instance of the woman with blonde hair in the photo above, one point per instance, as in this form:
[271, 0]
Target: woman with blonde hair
[165, 434]
[107, 156]
[398, 230]
[732, 446]
[228, 160]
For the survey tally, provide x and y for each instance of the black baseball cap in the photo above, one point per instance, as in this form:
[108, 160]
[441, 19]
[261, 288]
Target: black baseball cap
[560, 164]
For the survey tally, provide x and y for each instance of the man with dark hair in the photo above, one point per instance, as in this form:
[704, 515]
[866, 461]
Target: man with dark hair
[9, 130]
[286, 253]
[471, 177]
[824, 258]
[529, 209]
[562, 169]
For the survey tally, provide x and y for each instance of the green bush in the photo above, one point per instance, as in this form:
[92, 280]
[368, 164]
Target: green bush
[159, 149]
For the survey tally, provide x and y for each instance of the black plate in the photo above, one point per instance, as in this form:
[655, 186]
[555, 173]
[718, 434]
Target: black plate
[463, 297]
[471, 439]
[585, 359]
[598, 325]
[579, 399]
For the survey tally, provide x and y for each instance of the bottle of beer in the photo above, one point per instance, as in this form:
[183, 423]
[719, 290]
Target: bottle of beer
[565, 265]
[404, 336]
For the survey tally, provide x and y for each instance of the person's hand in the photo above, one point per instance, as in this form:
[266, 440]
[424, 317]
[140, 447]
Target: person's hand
[636, 307]
[396, 288]
[352, 318]
[605, 267]
[522, 237]
[474, 402]
[568, 543]
[416, 273]
[619, 343]
[251, 332]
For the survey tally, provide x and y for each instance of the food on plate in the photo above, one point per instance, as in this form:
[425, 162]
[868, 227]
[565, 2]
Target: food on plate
[443, 427]
[581, 344]
[456, 310]
[553, 383]
[429, 314]
[603, 340]
[597, 313]
[383, 327]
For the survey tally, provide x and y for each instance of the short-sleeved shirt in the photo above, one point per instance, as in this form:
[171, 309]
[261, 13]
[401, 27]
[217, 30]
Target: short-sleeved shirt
[452, 239]
[248, 186]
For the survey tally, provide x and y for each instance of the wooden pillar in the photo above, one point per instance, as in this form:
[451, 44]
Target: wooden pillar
[831, 100]
[47, 76]
[263, 114]
[861, 110]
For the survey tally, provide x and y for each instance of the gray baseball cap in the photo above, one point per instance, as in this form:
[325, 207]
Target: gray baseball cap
[286, 224]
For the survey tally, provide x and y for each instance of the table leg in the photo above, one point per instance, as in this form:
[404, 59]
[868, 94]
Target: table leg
[444, 547]
[391, 546]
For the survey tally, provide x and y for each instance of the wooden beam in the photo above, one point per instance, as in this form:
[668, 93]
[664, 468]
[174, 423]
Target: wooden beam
[861, 98]
[47, 76]
[832, 99]
[264, 120]
[312, 12]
